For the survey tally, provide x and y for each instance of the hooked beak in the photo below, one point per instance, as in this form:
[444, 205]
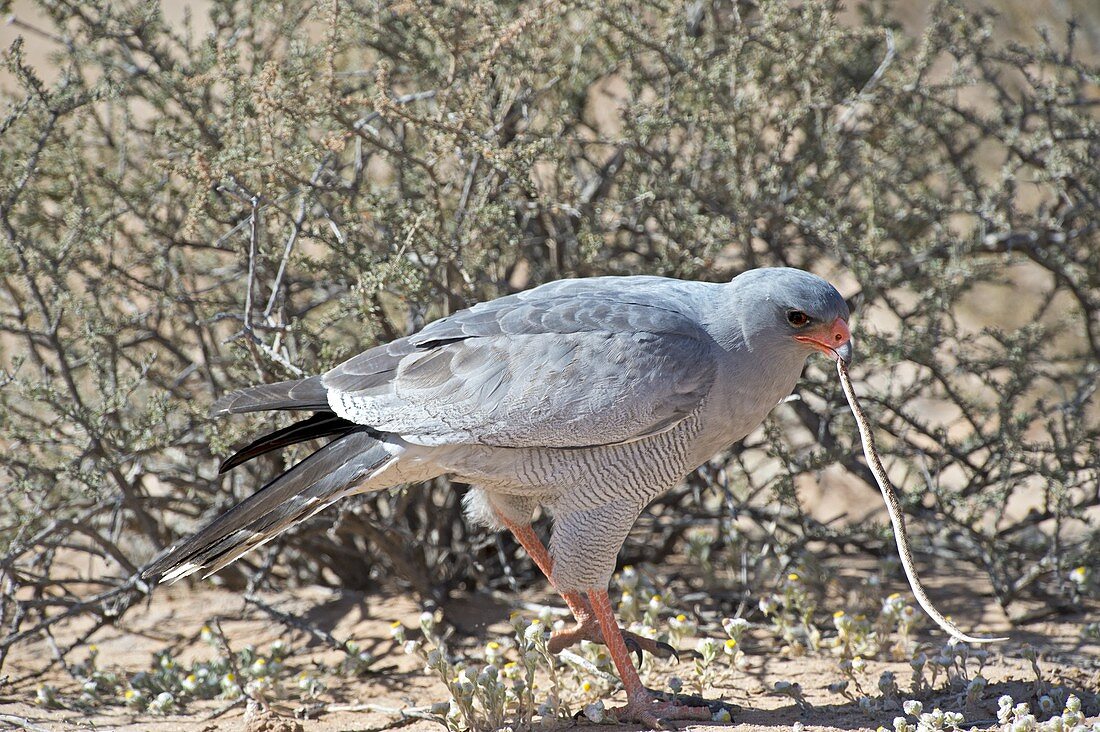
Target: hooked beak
[833, 340]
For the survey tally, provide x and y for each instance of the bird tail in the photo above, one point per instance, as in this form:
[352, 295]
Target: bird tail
[319, 426]
[297, 394]
[326, 476]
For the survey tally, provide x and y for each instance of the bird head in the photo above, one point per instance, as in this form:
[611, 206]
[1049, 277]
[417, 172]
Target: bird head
[793, 311]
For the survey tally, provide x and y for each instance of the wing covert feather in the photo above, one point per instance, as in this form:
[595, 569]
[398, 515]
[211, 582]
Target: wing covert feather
[566, 370]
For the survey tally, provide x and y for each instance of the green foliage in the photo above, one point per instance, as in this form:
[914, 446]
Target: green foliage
[246, 197]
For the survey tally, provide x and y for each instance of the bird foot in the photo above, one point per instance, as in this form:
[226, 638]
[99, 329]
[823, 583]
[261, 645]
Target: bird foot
[656, 713]
[691, 700]
[590, 631]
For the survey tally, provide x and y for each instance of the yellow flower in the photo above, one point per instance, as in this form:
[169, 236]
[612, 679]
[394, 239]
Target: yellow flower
[839, 614]
[681, 617]
[792, 577]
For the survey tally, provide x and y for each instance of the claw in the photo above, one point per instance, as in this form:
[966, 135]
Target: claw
[633, 646]
[691, 700]
[665, 724]
[656, 710]
[664, 650]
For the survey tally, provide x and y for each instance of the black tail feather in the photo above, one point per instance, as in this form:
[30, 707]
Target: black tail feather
[322, 424]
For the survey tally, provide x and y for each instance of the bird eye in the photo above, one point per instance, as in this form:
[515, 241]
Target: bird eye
[797, 318]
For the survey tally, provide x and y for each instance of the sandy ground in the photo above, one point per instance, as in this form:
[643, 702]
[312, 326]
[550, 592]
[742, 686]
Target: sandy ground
[366, 704]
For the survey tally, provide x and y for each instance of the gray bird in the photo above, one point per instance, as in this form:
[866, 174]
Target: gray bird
[586, 397]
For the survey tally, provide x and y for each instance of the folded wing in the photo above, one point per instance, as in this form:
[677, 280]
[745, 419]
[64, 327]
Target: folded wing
[560, 369]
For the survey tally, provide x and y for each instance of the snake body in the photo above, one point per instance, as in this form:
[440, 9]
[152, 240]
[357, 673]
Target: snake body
[897, 519]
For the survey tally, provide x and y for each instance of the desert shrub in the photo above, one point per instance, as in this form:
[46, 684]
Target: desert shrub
[196, 206]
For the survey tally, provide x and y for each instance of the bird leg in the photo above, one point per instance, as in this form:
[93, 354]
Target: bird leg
[587, 626]
[641, 706]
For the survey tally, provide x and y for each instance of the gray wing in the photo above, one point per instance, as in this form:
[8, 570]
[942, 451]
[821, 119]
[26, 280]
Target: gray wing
[573, 368]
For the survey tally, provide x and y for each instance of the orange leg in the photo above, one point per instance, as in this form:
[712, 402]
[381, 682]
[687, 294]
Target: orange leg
[596, 622]
[535, 549]
[587, 628]
[641, 705]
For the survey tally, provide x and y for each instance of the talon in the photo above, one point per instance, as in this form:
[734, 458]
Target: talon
[633, 646]
[664, 650]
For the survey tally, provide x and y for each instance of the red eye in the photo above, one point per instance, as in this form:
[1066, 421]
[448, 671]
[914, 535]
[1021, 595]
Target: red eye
[797, 318]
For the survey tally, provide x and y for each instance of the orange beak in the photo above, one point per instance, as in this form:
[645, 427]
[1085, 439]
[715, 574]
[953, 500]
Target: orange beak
[834, 340]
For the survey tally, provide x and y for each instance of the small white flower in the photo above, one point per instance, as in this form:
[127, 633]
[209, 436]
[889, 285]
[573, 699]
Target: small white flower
[953, 719]
[913, 708]
[163, 702]
[629, 578]
[45, 695]
[535, 631]
[735, 626]
[493, 651]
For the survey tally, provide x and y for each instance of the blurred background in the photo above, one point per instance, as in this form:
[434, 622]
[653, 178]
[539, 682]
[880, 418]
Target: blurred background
[200, 196]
